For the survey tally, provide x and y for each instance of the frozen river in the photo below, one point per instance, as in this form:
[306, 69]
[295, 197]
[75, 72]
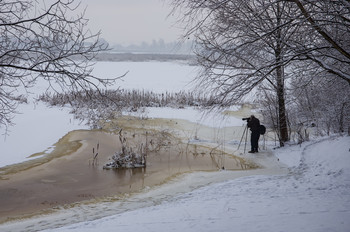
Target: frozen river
[37, 127]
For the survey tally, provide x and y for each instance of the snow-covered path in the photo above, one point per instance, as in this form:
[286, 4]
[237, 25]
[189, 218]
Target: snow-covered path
[314, 196]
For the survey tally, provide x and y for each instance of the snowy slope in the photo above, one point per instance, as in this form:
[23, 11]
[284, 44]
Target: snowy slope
[313, 196]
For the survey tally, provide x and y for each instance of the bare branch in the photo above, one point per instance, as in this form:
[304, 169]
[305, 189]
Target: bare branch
[50, 44]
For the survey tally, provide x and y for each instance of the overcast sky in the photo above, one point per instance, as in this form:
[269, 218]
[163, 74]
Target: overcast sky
[131, 21]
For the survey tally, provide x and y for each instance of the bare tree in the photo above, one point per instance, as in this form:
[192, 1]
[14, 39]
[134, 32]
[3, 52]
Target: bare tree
[44, 41]
[322, 102]
[329, 24]
[245, 44]
[242, 45]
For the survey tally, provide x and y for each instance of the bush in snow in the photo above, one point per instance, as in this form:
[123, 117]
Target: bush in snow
[134, 154]
[127, 158]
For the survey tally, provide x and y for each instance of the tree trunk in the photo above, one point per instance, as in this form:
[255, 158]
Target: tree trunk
[282, 119]
[341, 119]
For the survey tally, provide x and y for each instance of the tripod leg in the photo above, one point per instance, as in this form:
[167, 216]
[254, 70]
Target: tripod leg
[245, 128]
[246, 137]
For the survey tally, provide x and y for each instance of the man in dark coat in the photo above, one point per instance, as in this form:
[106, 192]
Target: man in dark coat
[254, 125]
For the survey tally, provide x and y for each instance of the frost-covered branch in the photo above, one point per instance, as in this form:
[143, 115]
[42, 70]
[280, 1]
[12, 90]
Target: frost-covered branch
[329, 22]
[47, 42]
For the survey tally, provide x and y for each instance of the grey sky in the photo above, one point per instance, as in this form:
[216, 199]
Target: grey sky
[131, 21]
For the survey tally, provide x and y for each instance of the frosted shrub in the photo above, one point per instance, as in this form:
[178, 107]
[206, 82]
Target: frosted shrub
[127, 158]
[93, 106]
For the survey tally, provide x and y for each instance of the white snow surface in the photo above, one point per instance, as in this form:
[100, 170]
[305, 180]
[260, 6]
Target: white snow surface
[153, 76]
[192, 114]
[37, 128]
[311, 193]
[313, 196]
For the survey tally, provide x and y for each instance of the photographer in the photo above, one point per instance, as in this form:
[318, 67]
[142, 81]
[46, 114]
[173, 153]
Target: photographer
[254, 124]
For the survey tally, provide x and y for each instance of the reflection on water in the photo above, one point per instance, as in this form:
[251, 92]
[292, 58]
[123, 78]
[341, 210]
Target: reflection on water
[70, 178]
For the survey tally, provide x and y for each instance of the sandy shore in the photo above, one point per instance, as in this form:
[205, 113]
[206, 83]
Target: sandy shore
[67, 175]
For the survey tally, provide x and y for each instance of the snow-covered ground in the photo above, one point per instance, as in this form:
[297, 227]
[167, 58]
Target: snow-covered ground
[313, 196]
[311, 193]
[37, 129]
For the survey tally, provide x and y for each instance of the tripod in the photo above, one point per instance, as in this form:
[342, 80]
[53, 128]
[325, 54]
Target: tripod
[245, 134]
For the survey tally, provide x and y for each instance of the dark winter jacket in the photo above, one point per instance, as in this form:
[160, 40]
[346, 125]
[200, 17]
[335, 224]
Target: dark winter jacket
[254, 124]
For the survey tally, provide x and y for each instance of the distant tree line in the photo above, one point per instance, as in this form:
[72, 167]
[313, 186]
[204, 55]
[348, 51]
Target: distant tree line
[156, 46]
[137, 57]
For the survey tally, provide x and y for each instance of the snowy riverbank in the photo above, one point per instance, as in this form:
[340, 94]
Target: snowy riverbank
[313, 196]
[37, 128]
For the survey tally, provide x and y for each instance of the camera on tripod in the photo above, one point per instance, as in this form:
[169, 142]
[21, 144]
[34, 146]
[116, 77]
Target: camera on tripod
[246, 119]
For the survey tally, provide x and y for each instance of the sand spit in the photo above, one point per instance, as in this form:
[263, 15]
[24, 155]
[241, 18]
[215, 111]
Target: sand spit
[67, 176]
